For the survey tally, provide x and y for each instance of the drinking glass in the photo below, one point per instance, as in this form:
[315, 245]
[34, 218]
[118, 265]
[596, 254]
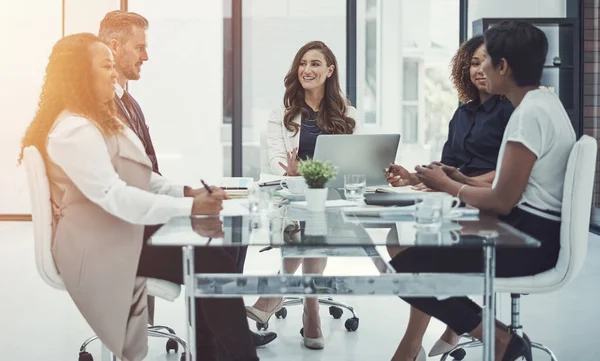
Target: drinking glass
[355, 186]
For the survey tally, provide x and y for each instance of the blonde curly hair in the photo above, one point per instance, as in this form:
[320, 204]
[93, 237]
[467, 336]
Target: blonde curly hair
[68, 84]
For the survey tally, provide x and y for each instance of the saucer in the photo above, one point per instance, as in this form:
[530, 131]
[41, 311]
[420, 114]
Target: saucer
[453, 215]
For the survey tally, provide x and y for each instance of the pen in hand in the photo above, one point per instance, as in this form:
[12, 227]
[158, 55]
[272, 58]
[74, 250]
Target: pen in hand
[206, 186]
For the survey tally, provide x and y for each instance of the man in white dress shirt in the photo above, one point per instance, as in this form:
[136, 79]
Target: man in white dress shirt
[125, 33]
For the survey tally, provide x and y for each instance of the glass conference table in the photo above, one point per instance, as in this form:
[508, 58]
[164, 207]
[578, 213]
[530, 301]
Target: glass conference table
[339, 232]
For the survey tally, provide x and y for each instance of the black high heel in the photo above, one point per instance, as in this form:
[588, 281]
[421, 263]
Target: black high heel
[517, 347]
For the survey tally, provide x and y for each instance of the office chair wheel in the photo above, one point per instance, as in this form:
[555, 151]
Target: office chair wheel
[182, 358]
[172, 345]
[336, 312]
[262, 326]
[85, 356]
[352, 324]
[458, 354]
[281, 313]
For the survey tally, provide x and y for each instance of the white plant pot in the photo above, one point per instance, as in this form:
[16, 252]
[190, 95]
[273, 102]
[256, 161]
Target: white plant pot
[315, 199]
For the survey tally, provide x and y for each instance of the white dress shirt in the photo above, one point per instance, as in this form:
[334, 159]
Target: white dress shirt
[79, 148]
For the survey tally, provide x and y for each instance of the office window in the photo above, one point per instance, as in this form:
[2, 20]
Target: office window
[371, 29]
[27, 45]
[411, 79]
[410, 123]
[409, 91]
[181, 88]
[273, 31]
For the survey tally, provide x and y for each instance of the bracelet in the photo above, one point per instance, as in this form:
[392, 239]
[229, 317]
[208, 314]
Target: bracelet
[460, 190]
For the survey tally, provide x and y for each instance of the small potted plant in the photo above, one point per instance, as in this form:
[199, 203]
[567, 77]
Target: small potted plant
[316, 174]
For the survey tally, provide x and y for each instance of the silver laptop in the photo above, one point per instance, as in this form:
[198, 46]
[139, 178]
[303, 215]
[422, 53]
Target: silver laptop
[367, 154]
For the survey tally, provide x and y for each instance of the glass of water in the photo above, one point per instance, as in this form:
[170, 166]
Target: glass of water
[355, 186]
[428, 211]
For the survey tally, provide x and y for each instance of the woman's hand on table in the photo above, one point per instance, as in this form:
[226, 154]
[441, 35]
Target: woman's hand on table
[397, 176]
[433, 177]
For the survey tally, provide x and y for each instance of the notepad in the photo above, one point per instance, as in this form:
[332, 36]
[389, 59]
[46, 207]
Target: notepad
[234, 207]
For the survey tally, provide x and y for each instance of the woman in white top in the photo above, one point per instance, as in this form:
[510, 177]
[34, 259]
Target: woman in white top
[526, 192]
[103, 193]
[313, 104]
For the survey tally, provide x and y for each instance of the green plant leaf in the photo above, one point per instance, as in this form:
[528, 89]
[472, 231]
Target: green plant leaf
[316, 173]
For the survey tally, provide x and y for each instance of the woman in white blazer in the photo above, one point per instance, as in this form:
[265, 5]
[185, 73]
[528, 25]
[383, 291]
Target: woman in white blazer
[313, 104]
[103, 192]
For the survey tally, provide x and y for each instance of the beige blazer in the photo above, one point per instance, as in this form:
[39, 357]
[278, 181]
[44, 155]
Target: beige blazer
[97, 254]
[280, 141]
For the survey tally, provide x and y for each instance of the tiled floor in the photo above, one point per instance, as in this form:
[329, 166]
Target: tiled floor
[40, 323]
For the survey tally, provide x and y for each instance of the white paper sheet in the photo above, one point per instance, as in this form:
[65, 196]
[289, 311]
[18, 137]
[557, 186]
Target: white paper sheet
[235, 207]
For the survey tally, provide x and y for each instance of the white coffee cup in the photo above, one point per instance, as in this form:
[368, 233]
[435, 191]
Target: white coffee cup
[296, 185]
[449, 204]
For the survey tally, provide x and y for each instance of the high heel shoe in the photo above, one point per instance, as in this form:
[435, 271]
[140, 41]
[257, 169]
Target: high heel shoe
[313, 343]
[262, 316]
[440, 347]
[517, 347]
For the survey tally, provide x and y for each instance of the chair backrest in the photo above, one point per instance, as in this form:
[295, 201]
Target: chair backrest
[41, 213]
[576, 207]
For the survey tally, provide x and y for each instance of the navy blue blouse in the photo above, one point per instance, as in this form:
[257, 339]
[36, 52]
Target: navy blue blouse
[475, 134]
[308, 134]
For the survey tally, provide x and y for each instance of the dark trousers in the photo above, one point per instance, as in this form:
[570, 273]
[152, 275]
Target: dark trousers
[222, 331]
[460, 313]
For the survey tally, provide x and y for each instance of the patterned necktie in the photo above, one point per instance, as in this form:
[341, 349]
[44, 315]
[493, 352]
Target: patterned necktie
[135, 121]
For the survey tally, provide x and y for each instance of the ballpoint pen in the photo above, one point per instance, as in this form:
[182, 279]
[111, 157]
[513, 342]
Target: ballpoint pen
[206, 186]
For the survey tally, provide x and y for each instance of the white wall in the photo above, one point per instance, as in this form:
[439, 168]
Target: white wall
[273, 31]
[181, 88]
[515, 8]
[28, 30]
[84, 16]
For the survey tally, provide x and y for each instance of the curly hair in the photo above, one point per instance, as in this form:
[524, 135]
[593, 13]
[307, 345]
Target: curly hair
[332, 112]
[461, 66]
[68, 84]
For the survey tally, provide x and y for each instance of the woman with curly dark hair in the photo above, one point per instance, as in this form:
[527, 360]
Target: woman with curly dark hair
[476, 129]
[469, 156]
[103, 192]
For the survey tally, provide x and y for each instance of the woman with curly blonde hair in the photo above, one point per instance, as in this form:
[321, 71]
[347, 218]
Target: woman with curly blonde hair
[469, 156]
[103, 192]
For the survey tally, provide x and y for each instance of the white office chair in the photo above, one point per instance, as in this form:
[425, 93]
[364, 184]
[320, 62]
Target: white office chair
[574, 233]
[41, 212]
